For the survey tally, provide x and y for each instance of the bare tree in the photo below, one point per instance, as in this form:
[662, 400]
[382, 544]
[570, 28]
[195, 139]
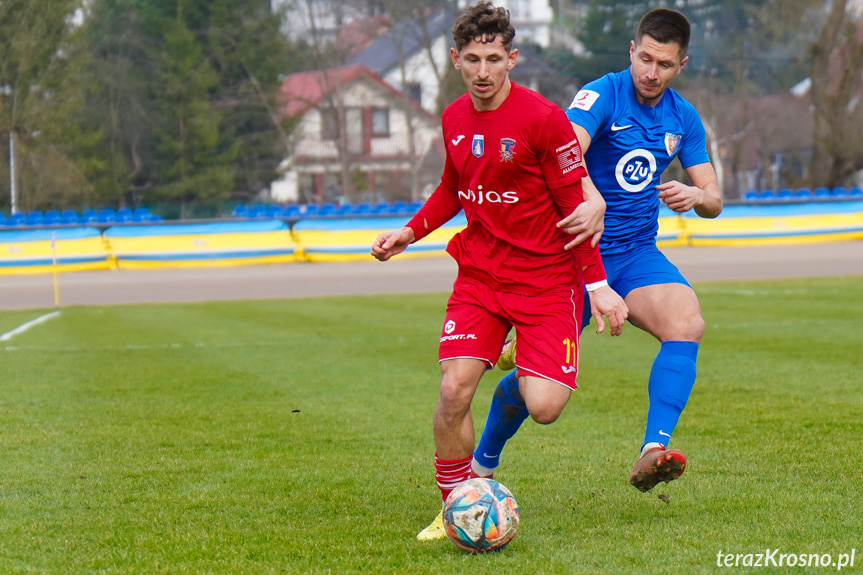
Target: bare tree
[326, 59]
[412, 30]
[836, 64]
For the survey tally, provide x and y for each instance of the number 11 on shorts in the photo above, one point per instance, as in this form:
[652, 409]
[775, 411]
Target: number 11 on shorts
[571, 346]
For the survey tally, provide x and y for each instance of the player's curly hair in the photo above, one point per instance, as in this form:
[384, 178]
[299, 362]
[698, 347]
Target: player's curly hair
[483, 22]
[666, 27]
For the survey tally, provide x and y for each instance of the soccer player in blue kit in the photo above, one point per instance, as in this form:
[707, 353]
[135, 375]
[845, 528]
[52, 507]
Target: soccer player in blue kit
[631, 125]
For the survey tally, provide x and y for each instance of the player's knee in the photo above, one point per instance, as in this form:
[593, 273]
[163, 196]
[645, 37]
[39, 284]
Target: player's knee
[546, 414]
[695, 327]
[455, 394]
[688, 327]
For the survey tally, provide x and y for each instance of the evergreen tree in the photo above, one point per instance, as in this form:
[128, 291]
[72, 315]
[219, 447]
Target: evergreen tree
[40, 90]
[186, 94]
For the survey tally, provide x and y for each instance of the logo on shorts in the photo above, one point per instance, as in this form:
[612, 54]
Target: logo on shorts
[449, 327]
[568, 368]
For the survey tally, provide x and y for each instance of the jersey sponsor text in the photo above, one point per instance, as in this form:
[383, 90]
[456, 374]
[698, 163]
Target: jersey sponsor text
[481, 196]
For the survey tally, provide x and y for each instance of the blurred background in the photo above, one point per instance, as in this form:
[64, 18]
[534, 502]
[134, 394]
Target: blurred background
[191, 109]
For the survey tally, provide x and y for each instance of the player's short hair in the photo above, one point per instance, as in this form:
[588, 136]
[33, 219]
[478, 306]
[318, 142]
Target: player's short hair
[666, 27]
[483, 22]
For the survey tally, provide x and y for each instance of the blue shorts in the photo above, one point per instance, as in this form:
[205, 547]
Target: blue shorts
[642, 266]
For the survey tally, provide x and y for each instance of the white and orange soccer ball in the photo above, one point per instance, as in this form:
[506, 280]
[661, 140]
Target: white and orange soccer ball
[480, 515]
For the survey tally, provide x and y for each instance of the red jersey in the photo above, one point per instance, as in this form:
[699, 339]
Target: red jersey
[515, 171]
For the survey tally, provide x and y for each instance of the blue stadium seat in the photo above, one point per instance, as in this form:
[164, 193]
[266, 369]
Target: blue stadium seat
[415, 206]
[839, 193]
[362, 208]
[89, 216]
[275, 211]
[381, 208]
[855, 193]
[51, 217]
[2, 219]
[292, 210]
[344, 210]
[106, 215]
[35, 218]
[69, 217]
[803, 194]
[141, 214]
[398, 207]
[327, 209]
[310, 210]
[258, 211]
[18, 219]
[123, 215]
[767, 195]
[822, 193]
[240, 211]
[785, 194]
[750, 196]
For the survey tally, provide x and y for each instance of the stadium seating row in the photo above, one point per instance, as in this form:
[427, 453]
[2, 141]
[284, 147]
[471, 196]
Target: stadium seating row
[103, 216]
[802, 194]
[325, 210]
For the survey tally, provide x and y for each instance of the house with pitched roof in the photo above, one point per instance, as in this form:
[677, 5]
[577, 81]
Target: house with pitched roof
[424, 46]
[351, 123]
[412, 56]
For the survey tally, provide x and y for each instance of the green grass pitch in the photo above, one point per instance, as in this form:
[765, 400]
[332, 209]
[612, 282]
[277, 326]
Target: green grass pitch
[295, 437]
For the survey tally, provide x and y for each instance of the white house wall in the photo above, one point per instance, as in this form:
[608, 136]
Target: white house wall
[320, 156]
[419, 70]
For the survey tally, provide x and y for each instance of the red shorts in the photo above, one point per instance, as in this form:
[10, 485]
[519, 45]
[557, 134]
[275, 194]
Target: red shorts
[478, 320]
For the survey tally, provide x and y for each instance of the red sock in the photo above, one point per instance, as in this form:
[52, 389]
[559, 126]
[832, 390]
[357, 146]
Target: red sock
[449, 474]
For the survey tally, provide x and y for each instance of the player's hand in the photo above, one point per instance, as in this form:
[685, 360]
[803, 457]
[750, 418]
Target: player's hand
[605, 302]
[679, 197]
[586, 221]
[391, 243]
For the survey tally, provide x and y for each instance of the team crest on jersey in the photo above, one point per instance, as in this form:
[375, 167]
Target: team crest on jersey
[478, 145]
[507, 149]
[671, 142]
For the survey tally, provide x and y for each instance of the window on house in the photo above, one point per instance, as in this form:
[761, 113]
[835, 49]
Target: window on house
[329, 124]
[380, 122]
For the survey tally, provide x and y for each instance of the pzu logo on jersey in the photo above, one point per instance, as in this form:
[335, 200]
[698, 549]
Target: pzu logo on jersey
[481, 196]
[635, 170]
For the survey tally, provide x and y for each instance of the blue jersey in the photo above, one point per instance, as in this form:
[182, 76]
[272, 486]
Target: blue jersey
[631, 145]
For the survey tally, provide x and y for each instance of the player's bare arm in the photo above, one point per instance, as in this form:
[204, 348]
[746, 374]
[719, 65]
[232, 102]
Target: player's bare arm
[604, 301]
[392, 243]
[588, 219]
[703, 195]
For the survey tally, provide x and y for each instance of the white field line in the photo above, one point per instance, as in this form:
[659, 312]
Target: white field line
[24, 327]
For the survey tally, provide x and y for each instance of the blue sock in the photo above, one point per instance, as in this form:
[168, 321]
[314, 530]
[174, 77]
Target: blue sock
[505, 416]
[671, 381]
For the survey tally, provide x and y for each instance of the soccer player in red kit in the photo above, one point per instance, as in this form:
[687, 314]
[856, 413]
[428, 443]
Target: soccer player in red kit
[514, 165]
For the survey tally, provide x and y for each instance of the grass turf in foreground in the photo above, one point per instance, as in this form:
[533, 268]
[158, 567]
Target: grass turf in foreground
[295, 437]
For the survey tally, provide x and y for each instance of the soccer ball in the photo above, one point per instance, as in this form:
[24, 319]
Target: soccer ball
[480, 515]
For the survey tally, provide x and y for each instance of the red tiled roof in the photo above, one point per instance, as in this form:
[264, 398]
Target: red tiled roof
[306, 90]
